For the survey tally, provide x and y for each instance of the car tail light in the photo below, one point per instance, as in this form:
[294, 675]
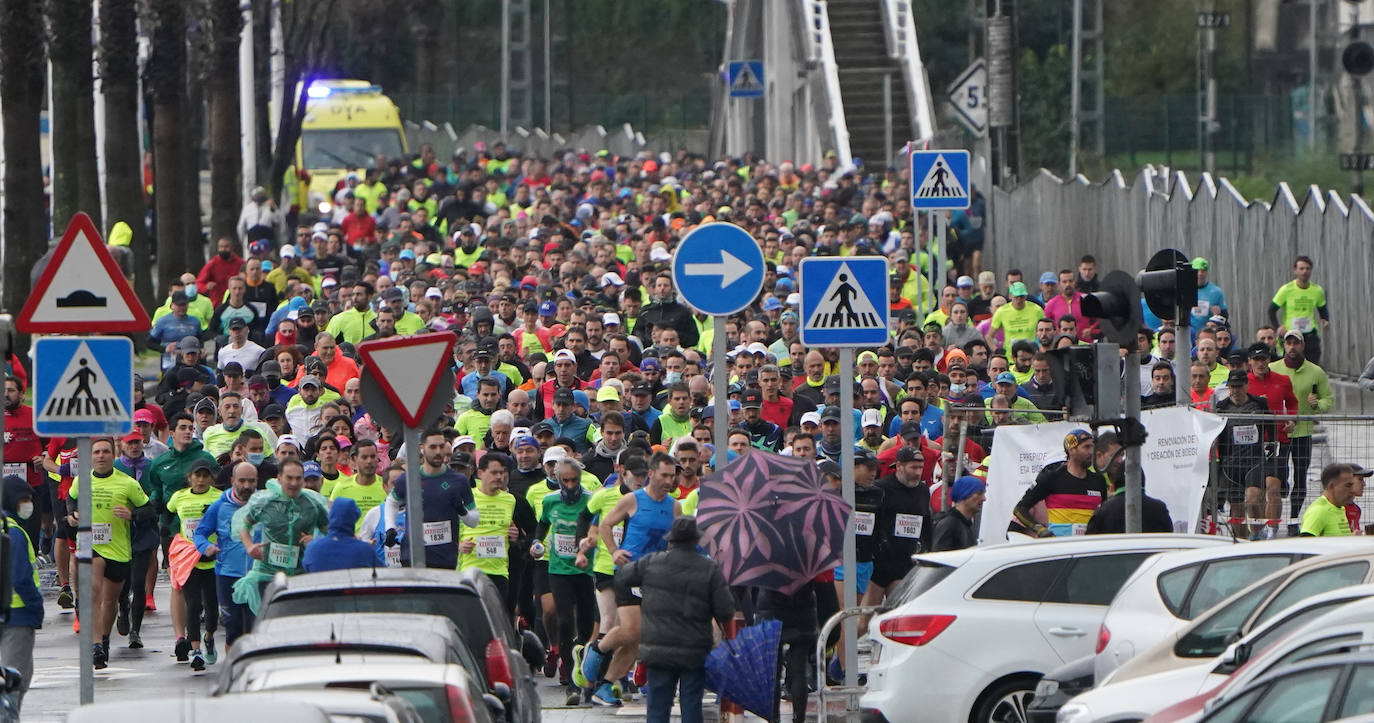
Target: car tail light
[498, 664]
[1104, 636]
[914, 629]
[459, 707]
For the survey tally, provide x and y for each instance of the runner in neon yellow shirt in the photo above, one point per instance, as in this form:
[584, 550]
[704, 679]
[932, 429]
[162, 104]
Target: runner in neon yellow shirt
[632, 472]
[486, 546]
[1300, 306]
[114, 499]
[1017, 319]
[1325, 517]
[364, 486]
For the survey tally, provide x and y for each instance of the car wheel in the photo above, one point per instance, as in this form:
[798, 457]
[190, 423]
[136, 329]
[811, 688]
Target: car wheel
[1006, 702]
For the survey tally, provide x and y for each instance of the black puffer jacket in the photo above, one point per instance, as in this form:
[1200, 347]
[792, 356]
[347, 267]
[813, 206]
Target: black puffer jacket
[683, 591]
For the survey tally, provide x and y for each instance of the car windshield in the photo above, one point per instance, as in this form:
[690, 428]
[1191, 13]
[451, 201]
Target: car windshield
[921, 578]
[463, 608]
[431, 701]
[346, 147]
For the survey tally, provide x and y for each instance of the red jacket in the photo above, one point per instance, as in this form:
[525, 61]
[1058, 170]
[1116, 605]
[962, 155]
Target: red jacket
[1277, 391]
[219, 271]
[359, 229]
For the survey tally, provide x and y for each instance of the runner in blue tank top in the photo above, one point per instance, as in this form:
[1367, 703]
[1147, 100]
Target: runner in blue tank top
[647, 514]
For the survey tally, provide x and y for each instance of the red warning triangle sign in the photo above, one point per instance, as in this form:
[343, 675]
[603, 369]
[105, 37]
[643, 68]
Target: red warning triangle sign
[407, 368]
[82, 289]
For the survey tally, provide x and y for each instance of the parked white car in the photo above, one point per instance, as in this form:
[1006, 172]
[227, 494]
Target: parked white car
[1139, 698]
[1172, 588]
[973, 630]
[1233, 618]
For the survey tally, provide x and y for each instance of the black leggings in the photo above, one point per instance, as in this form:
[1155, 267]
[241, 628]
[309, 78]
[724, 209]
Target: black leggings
[827, 604]
[797, 660]
[200, 595]
[574, 599]
[135, 593]
[1300, 452]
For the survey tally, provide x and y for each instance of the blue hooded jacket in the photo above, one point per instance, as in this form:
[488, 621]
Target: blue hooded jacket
[218, 520]
[339, 549]
[21, 576]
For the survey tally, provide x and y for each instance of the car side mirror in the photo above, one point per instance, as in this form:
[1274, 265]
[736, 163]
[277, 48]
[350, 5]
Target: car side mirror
[531, 649]
[14, 680]
[494, 704]
[501, 691]
[1232, 658]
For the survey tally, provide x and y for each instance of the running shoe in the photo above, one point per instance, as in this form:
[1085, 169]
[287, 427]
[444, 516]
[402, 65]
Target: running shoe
[149, 604]
[551, 662]
[98, 657]
[590, 667]
[183, 649]
[122, 622]
[135, 640]
[76, 625]
[197, 661]
[574, 696]
[578, 677]
[210, 655]
[605, 697]
[65, 599]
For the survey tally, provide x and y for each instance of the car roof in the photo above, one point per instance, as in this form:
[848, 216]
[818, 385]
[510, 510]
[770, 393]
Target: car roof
[1358, 657]
[1076, 545]
[429, 635]
[359, 577]
[200, 709]
[1353, 613]
[1295, 569]
[336, 701]
[1278, 546]
[389, 674]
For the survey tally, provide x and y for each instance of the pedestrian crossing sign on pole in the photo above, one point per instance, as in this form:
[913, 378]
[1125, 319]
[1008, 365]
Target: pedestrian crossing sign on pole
[745, 78]
[83, 386]
[844, 301]
[939, 179]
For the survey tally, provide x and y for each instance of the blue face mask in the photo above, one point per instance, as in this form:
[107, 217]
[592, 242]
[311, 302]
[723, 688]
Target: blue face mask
[672, 378]
[190, 291]
[255, 458]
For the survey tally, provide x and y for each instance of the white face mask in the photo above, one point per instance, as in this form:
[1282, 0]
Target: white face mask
[25, 510]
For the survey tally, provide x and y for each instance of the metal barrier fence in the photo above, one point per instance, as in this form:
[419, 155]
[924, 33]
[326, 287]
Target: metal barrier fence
[1047, 223]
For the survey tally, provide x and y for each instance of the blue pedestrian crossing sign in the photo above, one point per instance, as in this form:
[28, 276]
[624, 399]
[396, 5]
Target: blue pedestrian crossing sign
[745, 78]
[939, 179]
[83, 386]
[844, 301]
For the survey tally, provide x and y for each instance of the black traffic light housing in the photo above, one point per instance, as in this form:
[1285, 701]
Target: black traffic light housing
[1168, 282]
[1117, 306]
[1090, 377]
[1358, 58]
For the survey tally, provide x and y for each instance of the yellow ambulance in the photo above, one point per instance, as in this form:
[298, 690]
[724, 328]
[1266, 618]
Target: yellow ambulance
[348, 124]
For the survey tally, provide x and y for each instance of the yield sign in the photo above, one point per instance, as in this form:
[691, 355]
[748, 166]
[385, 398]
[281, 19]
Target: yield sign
[408, 369]
[81, 289]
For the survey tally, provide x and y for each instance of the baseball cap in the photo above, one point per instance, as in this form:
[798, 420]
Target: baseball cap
[771, 303]
[133, 436]
[1361, 470]
[189, 343]
[831, 414]
[1075, 438]
[964, 282]
[237, 323]
[1201, 264]
[312, 469]
[1048, 278]
[607, 393]
[965, 487]
[393, 293]
[233, 368]
[257, 381]
[1292, 334]
[463, 439]
[1018, 289]
[867, 356]
[548, 308]
[611, 278]
[565, 355]
[553, 454]
[871, 418]
[529, 282]
[908, 454]
[909, 430]
[524, 441]
[811, 418]
[1006, 378]
[752, 398]
[642, 389]
[287, 439]
[201, 464]
[179, 297]
[563, 396]
[650, 364]
[1235, 357]
[273, 411]
[828, 468]
[610, 318]
[1237, 378]
[312, 380]
[143, 415]
[288, 251]
[481, 351]
[757, 348]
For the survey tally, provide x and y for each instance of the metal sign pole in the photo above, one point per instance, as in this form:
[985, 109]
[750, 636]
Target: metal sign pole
[931, 274]
[851, 641]
[941, 231]
[1183, 342]
[85, 593]
[415, 505]
[1134, 483]
[720, 379]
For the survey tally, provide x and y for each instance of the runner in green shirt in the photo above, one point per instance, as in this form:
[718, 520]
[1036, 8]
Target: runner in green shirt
[1326, 515]
[566, 520]
[487, 546]
[1017, 319]
[364, 486]
[115, 499]
[1300, 306]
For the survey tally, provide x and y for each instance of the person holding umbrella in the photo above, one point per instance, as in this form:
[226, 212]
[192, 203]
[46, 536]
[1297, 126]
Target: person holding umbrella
[683, 591]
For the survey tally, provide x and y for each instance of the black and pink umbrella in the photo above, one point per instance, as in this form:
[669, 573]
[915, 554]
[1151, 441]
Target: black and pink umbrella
[770, 521]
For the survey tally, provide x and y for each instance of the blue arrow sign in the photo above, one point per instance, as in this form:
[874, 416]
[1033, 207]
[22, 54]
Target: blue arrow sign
[844, 301]
[718, 269]
[83, 386]
[939, 179]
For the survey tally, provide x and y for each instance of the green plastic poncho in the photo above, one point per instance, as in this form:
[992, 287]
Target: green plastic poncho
[282, 520]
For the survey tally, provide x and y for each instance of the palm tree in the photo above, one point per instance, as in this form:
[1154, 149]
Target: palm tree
[166, 75]
[123, 174]
[76, 186]
[226, 24]
[21, 97]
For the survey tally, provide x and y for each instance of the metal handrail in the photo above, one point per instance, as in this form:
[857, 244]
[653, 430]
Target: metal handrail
[823, 53]
[849, 694]
[904, 48]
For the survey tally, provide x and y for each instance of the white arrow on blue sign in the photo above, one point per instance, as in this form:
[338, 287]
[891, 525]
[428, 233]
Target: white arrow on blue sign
[718, 269]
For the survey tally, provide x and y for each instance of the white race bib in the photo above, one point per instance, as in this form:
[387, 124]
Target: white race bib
[19, 469]
[1302, 324]
[908, 526]
[1203, 308]
[1245, 434]
[102, 533]
[863, 523]
[282, 555]
[618, 534]
[490, 546]
[191, 526]
[1079, 528]
[438, 533]
[565, 545]
[393, 555]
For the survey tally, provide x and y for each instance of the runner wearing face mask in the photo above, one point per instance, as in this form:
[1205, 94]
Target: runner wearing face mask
[565, 520]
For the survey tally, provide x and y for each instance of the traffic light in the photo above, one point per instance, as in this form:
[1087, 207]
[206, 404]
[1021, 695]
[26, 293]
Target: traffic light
[1168, 282]
[1090, 377]
[1117, 307]
[1358, 58]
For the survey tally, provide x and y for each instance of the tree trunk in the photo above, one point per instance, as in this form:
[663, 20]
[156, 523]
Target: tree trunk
[226, 23]
[123, 172]
[21, 98]
[262, 88]
[167, 80]
[194, 129]
[75, 181]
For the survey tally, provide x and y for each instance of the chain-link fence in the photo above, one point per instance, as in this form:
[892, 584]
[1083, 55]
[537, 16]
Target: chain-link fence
[1164, 129]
